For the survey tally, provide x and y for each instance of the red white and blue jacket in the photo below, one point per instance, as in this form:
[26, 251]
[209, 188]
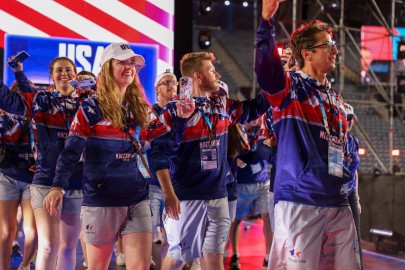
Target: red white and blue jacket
[188, 179]
[302, 141]
[52, 114]
[19, 156]
[110, 174]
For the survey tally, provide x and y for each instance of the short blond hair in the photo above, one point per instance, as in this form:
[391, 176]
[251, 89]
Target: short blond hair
[193, 62]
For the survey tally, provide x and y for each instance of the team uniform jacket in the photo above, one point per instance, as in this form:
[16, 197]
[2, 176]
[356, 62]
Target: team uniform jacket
[52, 114]
[302, 141]
[352, 158]
[154, 180]
[188, 179]
[110, 175]
[256, 169]
[19, 155]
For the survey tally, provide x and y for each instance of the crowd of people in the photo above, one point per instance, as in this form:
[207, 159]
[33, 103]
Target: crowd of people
[101, 164]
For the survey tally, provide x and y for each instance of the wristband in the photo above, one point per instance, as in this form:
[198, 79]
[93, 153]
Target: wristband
[58, 188]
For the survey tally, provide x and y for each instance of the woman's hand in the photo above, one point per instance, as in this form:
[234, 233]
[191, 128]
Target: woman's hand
[185, 109]
[52, 202]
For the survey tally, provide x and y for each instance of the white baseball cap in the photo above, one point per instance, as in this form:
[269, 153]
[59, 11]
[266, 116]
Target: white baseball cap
[121, 51]
[161, 75]
[349, 110]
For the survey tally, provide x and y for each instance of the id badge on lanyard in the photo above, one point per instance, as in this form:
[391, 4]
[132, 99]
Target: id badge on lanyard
[209, 156]
[335, 159]
[141, 166]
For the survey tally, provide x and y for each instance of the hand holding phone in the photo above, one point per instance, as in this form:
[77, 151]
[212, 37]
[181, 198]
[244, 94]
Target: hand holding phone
[89, 82]
[186, 89]
[20, 57]
[287, 58]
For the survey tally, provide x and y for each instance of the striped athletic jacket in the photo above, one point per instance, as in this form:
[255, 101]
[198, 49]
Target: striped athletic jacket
[302, 142]
[52, 114]
[190, 181]
[111, 175]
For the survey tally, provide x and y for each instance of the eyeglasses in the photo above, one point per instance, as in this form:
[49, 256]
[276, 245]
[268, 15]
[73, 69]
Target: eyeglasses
[329, 45]
[169, 83]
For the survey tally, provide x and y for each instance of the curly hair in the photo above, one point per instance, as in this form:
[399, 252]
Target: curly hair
[110, 103]
[305, 37]
[85, 73]
[192, 62]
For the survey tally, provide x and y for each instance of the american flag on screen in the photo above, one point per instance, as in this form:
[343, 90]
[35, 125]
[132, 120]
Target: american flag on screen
[134, 21]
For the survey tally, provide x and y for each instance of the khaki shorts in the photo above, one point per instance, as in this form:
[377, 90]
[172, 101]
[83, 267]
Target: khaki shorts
[103, 225]
[12, 189]
[72, 200]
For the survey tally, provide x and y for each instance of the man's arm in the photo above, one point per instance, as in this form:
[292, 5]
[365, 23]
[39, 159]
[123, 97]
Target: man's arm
[268, 66]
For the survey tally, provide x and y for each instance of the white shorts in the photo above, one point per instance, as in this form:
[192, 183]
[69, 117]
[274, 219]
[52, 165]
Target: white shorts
[271, 210]
[12, 189]
[71, 203]
[309, 237]
[103, 225]
[202, 228]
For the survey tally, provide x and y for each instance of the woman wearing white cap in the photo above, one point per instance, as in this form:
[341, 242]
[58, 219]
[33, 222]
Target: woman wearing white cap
[109, 130]
[53, 112]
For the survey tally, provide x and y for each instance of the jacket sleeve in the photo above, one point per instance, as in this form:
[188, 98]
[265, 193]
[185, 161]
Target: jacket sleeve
[248, 110]
[167, 137]
[67, 160]
[269, 69]
[23, 83]
[15, 102]
[73, 149]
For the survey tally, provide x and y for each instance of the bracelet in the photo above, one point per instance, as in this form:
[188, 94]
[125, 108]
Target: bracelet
[58, 188]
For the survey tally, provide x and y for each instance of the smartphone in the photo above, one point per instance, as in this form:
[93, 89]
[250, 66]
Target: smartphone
[20, 57]
[186, 88]
[82, 84]
[287, 51]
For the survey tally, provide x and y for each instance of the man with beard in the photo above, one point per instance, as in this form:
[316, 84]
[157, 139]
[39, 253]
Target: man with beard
[314, 227]
[199, 166]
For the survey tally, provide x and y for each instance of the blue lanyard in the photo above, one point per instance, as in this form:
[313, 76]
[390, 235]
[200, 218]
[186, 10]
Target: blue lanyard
[137, 133]
[209, 124]
[324, 116]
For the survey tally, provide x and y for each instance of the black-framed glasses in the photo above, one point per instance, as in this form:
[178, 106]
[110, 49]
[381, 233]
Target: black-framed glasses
[169, 83]
[329, 45]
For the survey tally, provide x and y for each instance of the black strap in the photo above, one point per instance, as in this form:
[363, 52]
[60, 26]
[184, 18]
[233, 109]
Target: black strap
[24, 132]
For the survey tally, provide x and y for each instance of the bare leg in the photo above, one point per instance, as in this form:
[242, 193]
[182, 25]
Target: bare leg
[8, 229]
[83, 245]
[171, 264]
[30, 232]
[234, 233]
[164, 246]
[139, 246]
[268, 234]
[48, 240]
[69, 235]
[99, 256]
[212, 261]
